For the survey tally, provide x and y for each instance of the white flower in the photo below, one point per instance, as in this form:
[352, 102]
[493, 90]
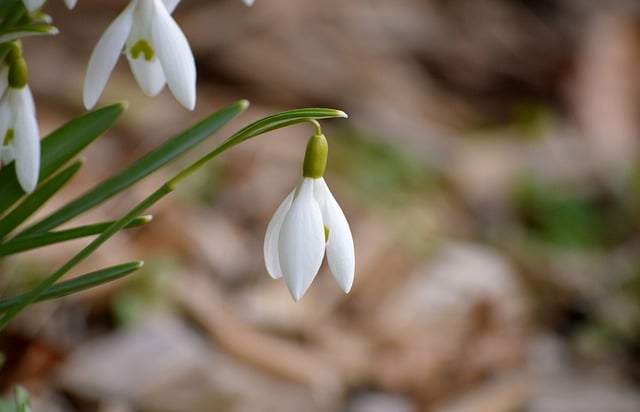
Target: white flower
[33, 5]
[248, 2]
[308, 222]
[19, 132]
[157, 51]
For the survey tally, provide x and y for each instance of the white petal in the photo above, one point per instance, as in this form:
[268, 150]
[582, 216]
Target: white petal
[170, 5]
[5, 120]
[7, 156]
[32, 5]
[271, 258]
[105, 55]
[340, 250]
[4, 78]
[26, 141]
[301, 242]
[149, 75]
[70, 3]
[248, 2]
[175, 56]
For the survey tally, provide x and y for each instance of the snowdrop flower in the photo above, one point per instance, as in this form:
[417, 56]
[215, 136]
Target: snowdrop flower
[157, 51]
[33, 5]
[18, 125]
[248, 2]
[308, 222]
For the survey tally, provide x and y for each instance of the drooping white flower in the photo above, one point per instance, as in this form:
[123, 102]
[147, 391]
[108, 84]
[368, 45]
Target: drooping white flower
[19, 132]
[33, 5]
[157, 51]
[309, 222]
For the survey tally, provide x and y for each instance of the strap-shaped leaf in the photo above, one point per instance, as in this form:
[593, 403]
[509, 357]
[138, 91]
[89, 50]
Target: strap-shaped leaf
[59, 147]
[78, 284]
[19, 32]
[159, 157]
[264, 125]
[218, 119]
[36, 199]
[37, 240]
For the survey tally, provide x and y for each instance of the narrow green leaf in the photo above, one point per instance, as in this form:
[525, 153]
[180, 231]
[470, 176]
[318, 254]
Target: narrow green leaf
[224, 116]
[78, 284]
[37, 240]
[36, 199]
[19, 32]
[59, 147]
[267, 124]
[143, 167]
[42, 287]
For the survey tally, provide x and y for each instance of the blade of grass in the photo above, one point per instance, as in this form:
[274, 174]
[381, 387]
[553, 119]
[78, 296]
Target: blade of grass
[59, 147]
[78, 284]
[142, 168]
[37, 240]
[35, 200]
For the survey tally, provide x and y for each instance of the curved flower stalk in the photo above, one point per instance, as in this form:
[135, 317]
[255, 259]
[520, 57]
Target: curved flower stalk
[19, 133]
[157, 51]
[33, 5]
[309, 222]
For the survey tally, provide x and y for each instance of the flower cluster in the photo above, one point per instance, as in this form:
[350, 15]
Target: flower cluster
[309, 222]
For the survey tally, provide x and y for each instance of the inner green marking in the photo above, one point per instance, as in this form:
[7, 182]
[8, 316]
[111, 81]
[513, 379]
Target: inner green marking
[8, 138]
[142, 46]
[326, 234]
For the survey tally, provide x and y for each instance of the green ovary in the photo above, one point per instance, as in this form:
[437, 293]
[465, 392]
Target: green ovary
[142, 46]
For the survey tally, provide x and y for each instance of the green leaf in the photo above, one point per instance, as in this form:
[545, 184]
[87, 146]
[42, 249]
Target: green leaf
[221, 117]
[267, 124]
[77, 284]
[37, 240]
[38, 198]
[60, 147]
[18, 32]
[142, 168]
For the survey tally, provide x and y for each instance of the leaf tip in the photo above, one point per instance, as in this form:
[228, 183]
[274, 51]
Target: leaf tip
[244, 104]
[342, 114]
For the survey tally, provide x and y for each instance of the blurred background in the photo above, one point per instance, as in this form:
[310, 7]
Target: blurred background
[490, 173]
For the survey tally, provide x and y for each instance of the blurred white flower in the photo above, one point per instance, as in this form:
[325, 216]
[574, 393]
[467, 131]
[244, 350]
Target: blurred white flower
[248, 2]
[33, 5]
[157, 51]
[19, 132]
[308, 222]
